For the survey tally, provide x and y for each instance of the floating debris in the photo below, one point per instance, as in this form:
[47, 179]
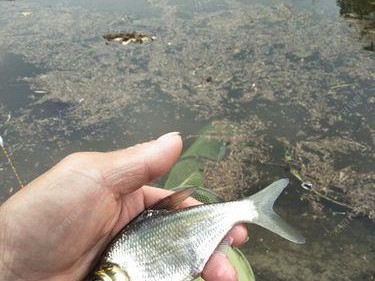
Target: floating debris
[9, 116]
[26, 14]
[288, 76]
[208, 79]
[40, 92]
[126, 38]
[307, 185]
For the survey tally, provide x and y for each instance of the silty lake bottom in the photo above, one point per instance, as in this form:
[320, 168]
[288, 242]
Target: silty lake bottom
[292, 80]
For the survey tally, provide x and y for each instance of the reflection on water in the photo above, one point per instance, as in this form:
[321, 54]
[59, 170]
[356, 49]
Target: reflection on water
[294, 79]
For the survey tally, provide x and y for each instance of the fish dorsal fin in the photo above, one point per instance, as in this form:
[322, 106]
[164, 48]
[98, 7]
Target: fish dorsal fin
[203, 195]
[168, 203]
[174, 200]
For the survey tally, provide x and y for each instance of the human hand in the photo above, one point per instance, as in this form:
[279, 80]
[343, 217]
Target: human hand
[55, 227]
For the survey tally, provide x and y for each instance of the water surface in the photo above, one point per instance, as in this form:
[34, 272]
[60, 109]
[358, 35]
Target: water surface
[289, 76]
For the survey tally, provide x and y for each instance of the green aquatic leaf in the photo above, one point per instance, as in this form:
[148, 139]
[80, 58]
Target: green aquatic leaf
[240, 263]
[203, 149]
[296, 174]
[287, 156]
[189, 172]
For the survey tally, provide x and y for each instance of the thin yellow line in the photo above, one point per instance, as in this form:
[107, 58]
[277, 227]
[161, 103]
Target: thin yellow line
[13, 167]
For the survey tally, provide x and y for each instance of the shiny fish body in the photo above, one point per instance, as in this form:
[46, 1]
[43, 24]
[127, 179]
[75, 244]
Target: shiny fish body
[175, 245]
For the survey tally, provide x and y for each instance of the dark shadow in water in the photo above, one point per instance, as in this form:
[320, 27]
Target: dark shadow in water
[360, 9]
[14, 93]
[360, 15]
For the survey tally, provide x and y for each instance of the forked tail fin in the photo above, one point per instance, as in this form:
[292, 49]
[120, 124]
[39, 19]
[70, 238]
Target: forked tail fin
[267, 218]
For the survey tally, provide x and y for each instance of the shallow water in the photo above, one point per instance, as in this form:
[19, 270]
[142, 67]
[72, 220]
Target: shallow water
[295, 75]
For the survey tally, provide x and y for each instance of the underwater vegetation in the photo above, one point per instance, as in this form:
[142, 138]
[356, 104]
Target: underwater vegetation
[291, 81]
[360, 15]
[362, 9]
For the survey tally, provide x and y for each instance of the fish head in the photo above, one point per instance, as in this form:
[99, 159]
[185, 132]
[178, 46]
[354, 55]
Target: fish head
[111, 272]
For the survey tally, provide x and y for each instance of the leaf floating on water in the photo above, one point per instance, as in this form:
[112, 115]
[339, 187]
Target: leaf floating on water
[8, 117]
[126, 38]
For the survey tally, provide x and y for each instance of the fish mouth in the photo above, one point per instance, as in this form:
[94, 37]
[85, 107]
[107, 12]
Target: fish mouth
[111, 272]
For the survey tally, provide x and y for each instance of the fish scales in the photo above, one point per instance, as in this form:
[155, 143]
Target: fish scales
[188, 243]
[165, 244]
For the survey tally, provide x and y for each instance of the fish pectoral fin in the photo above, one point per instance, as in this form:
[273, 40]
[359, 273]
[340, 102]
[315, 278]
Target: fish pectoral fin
[174, 200]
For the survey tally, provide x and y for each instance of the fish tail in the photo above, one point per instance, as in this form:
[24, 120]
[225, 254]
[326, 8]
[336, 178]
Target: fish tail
[266, 217]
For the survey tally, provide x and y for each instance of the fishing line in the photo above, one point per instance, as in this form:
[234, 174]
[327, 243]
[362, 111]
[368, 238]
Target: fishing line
[7, 156]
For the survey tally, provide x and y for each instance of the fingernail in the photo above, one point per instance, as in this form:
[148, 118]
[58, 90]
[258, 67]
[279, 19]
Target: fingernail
[168, 135]
[247, 239]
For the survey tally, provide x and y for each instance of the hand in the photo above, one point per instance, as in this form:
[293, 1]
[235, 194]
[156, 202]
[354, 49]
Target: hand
[54, 227]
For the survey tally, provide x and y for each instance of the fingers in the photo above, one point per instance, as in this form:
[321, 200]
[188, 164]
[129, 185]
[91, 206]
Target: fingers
[239, 235]
[218, 268]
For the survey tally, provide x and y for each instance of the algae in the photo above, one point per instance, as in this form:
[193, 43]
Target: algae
[284, 75]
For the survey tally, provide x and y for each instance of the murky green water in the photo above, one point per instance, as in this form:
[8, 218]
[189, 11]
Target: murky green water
[291, 75]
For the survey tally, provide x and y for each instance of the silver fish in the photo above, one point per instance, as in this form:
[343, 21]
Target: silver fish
[169, 244]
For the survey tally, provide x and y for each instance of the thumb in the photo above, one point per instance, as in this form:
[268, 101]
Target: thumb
[121, 171]
[126, 170]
